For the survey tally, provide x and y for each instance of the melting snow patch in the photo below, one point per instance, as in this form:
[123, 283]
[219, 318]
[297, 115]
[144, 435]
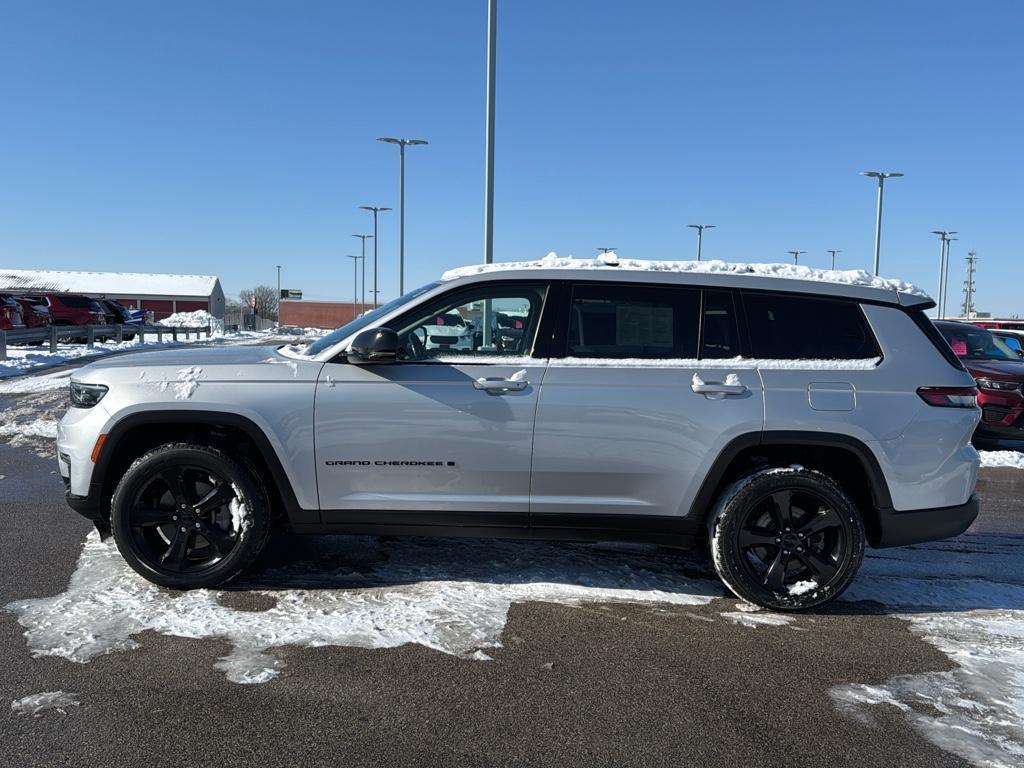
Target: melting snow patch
[38, 703]
[452, 596]
[1013, 459]
[38, 428]
[28, 384]
[749, 619]
[187, 384]
[803, 587]
[240, 519]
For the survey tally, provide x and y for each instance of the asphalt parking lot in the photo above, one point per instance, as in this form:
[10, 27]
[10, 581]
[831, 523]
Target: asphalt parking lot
[361, 651]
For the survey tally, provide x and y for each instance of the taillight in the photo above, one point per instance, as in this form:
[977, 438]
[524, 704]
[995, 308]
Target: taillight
[949, 397]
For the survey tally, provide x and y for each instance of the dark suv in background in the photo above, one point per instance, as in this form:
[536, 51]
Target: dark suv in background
[999, 372]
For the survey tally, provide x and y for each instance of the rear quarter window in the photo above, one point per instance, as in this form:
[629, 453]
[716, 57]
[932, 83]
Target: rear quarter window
[793, 327]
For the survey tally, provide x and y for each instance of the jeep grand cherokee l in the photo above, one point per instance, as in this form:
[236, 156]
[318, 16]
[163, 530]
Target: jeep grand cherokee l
[787, 422]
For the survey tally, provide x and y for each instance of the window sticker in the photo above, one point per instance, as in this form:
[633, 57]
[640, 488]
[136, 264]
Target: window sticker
[638, 325]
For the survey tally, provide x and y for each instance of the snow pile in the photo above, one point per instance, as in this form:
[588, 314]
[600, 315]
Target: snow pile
[856, 277]
[965, 597]
[32, 384]
[198, 319]
[38, 703]
[1012, 459]
[452, 596]
[38, 428]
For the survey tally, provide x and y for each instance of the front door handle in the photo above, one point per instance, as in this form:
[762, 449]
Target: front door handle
[515, 383]
[732, 386]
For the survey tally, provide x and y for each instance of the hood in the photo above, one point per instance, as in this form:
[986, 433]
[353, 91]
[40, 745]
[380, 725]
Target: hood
[187, 356]
[1008, 370]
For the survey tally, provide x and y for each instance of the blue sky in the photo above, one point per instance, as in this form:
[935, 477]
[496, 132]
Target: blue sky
[228, 137]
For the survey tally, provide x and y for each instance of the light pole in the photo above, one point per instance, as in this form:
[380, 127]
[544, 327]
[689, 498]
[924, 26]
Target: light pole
[362, 301]
[355, 284]
[943, 268]
[402, 144]
[700, 234]
[881, 176]
[945, 277]
[492, 46]
[833, 251]
[796, 255]
[278, 294]
[374, 210]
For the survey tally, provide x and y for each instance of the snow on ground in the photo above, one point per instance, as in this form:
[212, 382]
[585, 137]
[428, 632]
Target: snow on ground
[757, 619]
[198, 319]
[965, 597]
[449, 595]
[38, 703]
[1013, 459]
[30, 408]
[611, 262]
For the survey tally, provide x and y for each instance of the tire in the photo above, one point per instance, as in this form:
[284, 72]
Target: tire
[787, 538]
[189, 516]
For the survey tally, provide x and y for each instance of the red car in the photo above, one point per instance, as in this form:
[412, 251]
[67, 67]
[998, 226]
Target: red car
[71, 309]
[35, 315]
[10, 314]
[999, 371]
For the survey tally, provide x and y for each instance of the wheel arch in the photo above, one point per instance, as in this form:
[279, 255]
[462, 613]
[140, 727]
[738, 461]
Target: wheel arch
[138, 432]
[849, 461]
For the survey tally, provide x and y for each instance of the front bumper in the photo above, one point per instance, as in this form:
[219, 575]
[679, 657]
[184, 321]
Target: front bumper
[898, 529]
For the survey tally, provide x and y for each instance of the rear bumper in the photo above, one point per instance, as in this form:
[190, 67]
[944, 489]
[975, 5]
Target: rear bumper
[898, 529]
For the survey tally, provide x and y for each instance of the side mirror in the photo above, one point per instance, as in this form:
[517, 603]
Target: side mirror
[374, 345]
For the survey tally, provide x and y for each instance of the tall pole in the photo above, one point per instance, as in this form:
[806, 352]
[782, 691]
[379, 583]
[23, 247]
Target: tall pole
[940, 304]
[700, 235]
[969, 285]
[945, 276]
[355, 284]
[402, 144]
[376, 239]
[796, 255]
[834, 251]
[278, 294]
[881, 176]
[362, 302]
[492, 45]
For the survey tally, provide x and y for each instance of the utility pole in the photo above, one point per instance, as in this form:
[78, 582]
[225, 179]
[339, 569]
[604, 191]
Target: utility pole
[402, 144]
[968, 306]
[278, 294]
[492, 50]
[945, 277]
[606, 250]
[796, 255]
[362, 301]
[881, 176]
[376, 239]
[940, 303]
[700, 234]
[833, 251]
[355, 284]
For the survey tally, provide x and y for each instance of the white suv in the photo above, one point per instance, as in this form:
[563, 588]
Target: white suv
[787, 420]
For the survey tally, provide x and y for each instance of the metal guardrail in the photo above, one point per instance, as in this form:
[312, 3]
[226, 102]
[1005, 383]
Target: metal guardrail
[89, 333]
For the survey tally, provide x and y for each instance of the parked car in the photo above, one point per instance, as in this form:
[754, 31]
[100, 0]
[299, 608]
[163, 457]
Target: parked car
[35, 314]
[70, 309]
[1013, 339]
[999, 372]
[10, 313]
[117, 313]
[809, 419]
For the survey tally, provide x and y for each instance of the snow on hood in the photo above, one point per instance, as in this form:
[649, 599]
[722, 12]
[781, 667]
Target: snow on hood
[857, 277]
[182, 357]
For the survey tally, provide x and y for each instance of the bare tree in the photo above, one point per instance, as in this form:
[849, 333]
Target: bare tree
[266, 301]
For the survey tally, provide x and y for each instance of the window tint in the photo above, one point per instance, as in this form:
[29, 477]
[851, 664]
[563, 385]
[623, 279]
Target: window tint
[78, 302]
[976, 343]
[791, 327]
[719, 337]
[485, 321]
[624, 321]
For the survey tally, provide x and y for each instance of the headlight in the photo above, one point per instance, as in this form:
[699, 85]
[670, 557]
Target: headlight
[999, 386]
[86, 395]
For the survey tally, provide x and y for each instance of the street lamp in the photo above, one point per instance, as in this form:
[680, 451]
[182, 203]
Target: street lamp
[943, 269]
[881, 176]
[355, 283]
[945, 276]
[700, 234]
[833, 251]
[362, 301]
[796, 255]
[374, 210]
[492, 50]
[402, 144]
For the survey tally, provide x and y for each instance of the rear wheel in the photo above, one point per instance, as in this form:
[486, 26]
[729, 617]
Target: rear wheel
[787, 538]
[189, 516]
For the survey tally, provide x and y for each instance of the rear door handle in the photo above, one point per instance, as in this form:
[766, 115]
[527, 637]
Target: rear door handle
[730, 387]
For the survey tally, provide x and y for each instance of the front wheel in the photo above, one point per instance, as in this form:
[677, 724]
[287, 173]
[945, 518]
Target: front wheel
[189, 516]
[787, 538]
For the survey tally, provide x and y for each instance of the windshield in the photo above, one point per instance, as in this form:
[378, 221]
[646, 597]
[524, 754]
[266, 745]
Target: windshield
[977, 344]
[365, 321]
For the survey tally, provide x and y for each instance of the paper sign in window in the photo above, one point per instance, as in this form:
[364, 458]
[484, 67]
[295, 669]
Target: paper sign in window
[643, 326]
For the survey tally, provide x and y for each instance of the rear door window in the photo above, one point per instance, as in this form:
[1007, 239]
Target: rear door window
[794, 327]
[627, 321]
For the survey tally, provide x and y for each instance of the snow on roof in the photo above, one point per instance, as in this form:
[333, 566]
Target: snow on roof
[107, 283]
[856, 277]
